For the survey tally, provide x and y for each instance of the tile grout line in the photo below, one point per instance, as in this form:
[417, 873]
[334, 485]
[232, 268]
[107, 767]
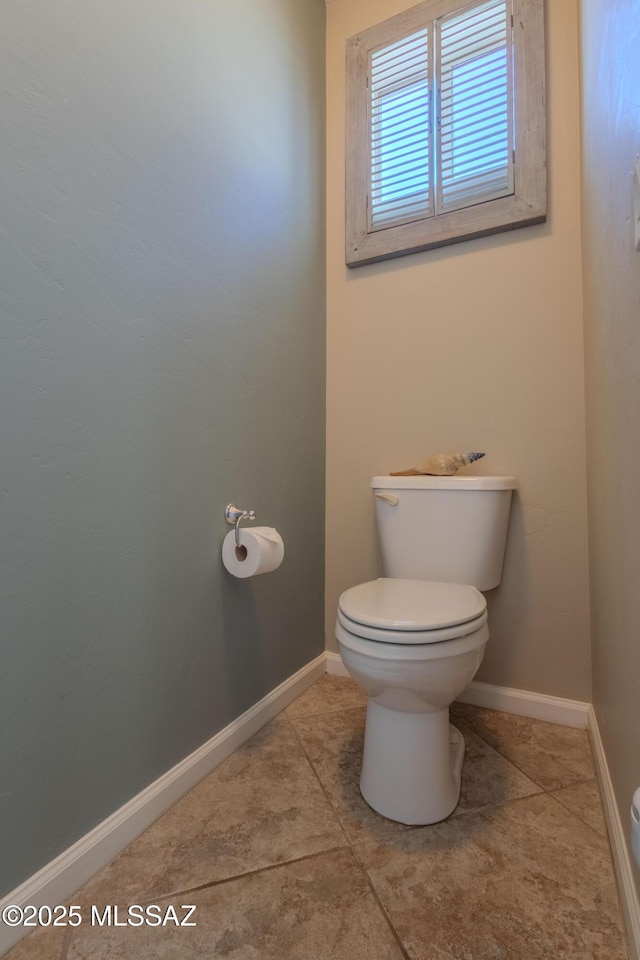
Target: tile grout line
[322, 786]
[551, 793]
[213, 883]
[241, 876]
[498, 753]
[523, 772]
[505, 758]
[383, 909]
[513, 764]
[351, 845]
[374, 892]
[607, 841]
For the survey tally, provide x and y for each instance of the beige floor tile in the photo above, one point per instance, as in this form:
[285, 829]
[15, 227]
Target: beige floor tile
[513, 874]
[327, 695]
[552, 755]
[42, 944]
[334, 744]
[487, 778]
[262, 806]
[583, 800]
[526, 881]
[321, 908]
[273, 754]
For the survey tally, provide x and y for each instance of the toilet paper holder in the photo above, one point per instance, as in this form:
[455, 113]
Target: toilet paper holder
[233, 514]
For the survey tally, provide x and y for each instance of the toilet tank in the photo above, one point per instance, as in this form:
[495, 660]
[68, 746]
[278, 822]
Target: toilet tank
[451, 529]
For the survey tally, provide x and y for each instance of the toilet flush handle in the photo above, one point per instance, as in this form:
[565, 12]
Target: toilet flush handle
[389, 498]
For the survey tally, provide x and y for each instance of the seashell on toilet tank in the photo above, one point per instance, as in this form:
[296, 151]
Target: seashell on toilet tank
[440, 465]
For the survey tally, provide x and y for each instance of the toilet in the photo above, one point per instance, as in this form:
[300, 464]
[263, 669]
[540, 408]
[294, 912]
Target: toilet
[415, 638]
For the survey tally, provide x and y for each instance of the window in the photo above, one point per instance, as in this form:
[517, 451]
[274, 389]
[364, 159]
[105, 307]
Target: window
[445, 126]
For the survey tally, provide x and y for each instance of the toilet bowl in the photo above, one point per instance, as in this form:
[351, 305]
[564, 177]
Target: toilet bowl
[413, 646]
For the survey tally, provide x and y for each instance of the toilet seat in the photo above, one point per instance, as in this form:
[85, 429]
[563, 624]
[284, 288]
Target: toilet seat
[417, 637]
[398, 651]
[411, 611]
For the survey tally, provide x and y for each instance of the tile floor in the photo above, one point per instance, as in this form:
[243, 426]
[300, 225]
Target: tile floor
[285, 861]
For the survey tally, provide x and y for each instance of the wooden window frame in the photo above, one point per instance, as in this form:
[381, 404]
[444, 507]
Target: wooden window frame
[526, 205]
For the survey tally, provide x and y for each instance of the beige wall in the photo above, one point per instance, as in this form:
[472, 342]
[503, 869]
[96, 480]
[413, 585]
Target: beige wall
[611, 139]
[474, 346]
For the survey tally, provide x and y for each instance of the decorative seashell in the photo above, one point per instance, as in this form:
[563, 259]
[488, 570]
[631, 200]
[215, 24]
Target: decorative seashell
[440, 465]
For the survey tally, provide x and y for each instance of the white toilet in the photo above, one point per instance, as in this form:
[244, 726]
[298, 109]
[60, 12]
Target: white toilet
[415, 638]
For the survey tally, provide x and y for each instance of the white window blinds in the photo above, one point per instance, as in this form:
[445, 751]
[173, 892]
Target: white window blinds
[441, 116]
[401, 143]
[475, 150]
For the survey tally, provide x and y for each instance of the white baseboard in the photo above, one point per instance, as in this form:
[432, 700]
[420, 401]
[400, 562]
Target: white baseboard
[335, 666]
[524, 703]
[538, 706]
[619, 849]
[60, 878]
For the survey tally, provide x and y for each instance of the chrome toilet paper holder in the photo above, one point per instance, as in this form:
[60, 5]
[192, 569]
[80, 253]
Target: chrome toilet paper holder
[234, 515]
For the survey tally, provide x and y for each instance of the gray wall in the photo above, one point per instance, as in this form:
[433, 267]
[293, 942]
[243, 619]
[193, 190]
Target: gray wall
[162, 325]
[611, 134]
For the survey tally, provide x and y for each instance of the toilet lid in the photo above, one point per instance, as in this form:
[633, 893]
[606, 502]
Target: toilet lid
[411, 606]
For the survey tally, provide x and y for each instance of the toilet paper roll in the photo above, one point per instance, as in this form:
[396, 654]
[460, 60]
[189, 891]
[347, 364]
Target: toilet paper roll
[261, 550]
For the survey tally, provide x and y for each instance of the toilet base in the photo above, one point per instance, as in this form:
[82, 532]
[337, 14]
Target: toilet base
[411, 765]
